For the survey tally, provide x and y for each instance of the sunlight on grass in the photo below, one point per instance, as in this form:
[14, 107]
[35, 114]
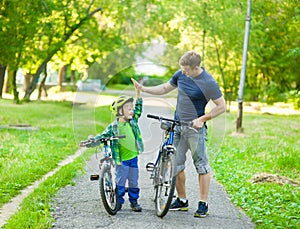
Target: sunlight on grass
[269, 144]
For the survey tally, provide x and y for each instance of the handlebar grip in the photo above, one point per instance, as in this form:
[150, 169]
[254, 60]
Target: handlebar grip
[152, 116]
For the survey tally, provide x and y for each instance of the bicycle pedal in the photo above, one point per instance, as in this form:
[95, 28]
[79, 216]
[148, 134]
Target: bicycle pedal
[94, 177]
[150, 167]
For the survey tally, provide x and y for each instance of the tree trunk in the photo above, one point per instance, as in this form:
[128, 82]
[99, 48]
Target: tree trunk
[42, 84]
[27, 78]
[73, 77]
[221, 71]
[7, 87]
[2, 75]
[243, 71]
[14, 86]
[61, 76]
[40, 69]
[239, 120]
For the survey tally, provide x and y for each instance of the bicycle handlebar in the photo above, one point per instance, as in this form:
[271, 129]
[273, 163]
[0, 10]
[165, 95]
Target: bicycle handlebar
[94, 142]
[177, 122]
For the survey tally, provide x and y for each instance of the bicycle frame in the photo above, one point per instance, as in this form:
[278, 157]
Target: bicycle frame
[168, 141]
[162, 171]
[107, 181]
[107, 156]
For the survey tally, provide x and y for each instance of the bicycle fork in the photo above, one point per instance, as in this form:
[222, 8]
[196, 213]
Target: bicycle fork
[94, 177]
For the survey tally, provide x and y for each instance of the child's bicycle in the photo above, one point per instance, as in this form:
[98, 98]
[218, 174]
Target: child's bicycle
[163, 170]
[108, 186]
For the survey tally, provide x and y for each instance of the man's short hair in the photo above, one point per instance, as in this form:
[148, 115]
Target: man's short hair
[190, 58]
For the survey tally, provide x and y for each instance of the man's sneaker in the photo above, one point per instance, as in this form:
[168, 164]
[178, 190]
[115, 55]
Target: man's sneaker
[202, 210]
[179, 205]
[135, 207]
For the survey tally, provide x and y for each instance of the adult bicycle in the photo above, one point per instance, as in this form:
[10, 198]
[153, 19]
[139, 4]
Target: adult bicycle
[106, 176]
[163, 169]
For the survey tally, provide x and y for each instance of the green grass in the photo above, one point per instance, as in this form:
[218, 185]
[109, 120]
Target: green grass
[36, 209]
[270, 144]
[25, 156]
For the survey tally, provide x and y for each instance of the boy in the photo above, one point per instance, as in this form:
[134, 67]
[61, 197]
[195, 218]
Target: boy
[125, 151]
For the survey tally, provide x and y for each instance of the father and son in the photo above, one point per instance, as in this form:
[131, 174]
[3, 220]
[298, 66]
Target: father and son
[196, 87]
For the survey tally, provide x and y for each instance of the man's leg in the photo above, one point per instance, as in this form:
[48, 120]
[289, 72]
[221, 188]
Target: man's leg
[198, 147]
[204, 183]
[180, 184]
[181, 203]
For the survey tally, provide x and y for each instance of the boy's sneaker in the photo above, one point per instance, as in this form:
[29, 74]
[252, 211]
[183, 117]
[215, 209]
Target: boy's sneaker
[202, 211]
[135, 207]
[179, 205]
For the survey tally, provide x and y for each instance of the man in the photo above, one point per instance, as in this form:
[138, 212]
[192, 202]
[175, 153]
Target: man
[195, 88]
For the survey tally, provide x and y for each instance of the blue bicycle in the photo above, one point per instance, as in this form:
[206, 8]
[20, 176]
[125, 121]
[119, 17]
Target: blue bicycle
[163, 170]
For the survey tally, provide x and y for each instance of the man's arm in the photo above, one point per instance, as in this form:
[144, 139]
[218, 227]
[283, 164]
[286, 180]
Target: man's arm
[217, 110]
[156, 90]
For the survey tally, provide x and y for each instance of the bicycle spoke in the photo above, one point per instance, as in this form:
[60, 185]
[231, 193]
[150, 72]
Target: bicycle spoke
[165, 187]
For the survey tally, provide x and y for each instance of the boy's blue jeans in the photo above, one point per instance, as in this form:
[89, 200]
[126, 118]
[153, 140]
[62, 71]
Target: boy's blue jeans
[128, 170]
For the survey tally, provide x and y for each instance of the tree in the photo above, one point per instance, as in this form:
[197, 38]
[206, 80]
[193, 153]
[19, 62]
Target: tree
[18, 21]
[68, 29]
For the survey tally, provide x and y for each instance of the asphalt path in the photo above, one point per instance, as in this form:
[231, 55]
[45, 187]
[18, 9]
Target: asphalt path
[80, 206]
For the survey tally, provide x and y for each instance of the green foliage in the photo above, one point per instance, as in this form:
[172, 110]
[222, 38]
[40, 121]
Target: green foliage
[294, 96]
[273, 93]
[43, 148]
[123, 77]
[35, 211]
[269, 148]
[21, 149]
[265, 147]
[25, 156]
[33, 32]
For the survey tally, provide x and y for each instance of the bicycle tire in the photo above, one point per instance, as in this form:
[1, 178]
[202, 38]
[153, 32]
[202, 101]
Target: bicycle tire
[164, 189]
[108, 191]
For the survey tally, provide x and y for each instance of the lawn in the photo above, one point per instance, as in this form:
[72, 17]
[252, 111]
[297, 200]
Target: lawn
[270, 144]
[258, 169]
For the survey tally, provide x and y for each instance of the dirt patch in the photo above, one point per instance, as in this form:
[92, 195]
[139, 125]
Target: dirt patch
[273, 178]
[237, 134]
[19, 127]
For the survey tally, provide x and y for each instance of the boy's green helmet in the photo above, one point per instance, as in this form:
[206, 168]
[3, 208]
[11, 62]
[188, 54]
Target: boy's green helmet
[115, 106]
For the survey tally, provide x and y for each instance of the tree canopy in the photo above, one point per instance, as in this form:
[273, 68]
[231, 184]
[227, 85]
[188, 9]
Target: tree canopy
[80, 33]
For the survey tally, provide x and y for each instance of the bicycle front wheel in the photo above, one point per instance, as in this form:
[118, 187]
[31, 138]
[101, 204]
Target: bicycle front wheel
[165, 185]
[108, 190]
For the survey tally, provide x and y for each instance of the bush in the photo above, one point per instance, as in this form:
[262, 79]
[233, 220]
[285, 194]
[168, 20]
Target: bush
[294, 97]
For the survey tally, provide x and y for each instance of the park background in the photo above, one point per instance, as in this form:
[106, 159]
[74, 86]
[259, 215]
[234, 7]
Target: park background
[47, 47]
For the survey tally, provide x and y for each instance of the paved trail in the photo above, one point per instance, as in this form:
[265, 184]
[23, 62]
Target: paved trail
[80, 206]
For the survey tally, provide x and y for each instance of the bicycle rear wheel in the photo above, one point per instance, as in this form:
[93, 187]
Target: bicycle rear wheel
[165, 185]
[108, 190]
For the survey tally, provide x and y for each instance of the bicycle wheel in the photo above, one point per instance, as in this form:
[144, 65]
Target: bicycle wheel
[108, 190]
[165, 185]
